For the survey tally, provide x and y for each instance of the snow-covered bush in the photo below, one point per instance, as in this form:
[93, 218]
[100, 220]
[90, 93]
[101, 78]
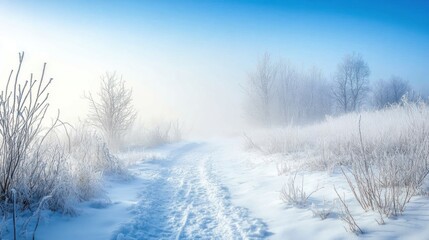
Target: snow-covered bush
[329, 143]
[347, 217]
[323, 211]
[156, 135]
[90, 148]
[41, 161]
[30, 163]
[385, 175]
[44, 173]
[384, 154]
[293, 192]
[89, 160]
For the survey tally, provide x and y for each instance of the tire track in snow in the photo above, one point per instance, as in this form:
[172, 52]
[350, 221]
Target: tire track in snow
[186, 200]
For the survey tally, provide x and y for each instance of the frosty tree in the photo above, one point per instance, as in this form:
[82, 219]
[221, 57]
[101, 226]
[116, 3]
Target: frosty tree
[112, 111]
[259, 90]
[391, 92]
[351, 84]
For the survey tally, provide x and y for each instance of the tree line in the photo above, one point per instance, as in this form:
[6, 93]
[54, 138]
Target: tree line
[279, 94]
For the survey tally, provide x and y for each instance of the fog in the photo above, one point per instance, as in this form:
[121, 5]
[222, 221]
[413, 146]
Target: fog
[191, 64]
[214, 119]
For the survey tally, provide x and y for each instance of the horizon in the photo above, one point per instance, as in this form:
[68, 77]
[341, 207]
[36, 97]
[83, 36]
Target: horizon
[177, 54]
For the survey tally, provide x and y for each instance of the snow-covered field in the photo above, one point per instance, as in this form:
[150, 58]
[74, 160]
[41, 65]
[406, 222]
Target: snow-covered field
[216, 190]
[284, 120]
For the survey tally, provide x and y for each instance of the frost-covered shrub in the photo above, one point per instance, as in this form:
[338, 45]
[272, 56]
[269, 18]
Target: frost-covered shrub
[384, 154]
[89, 160]
[329, 143]
[323, 211]
[41, 161]
[32, 164]
[383, 176]
[293, 192]
[156, 135]
[44, 173]
[347, 217]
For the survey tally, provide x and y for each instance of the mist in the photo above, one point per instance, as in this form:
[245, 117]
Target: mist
[190, 66]
[214, 119]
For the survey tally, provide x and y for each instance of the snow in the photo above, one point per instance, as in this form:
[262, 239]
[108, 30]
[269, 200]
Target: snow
[183, 199]
[95, 219]
[216, 190]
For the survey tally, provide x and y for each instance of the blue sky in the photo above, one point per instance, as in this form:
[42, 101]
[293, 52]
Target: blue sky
[390, 34]
[180, 51]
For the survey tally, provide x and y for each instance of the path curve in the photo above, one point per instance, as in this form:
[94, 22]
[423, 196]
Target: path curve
[183, 198]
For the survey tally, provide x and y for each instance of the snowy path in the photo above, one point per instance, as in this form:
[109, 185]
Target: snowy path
[204, 191]
[183, 198]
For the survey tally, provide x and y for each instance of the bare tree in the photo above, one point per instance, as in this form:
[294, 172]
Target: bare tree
[260, 90]
[315, 101]
[287, 86]
[113, 112]
[351, 84]
[302, 96]
[391, 92]
[279, 94]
